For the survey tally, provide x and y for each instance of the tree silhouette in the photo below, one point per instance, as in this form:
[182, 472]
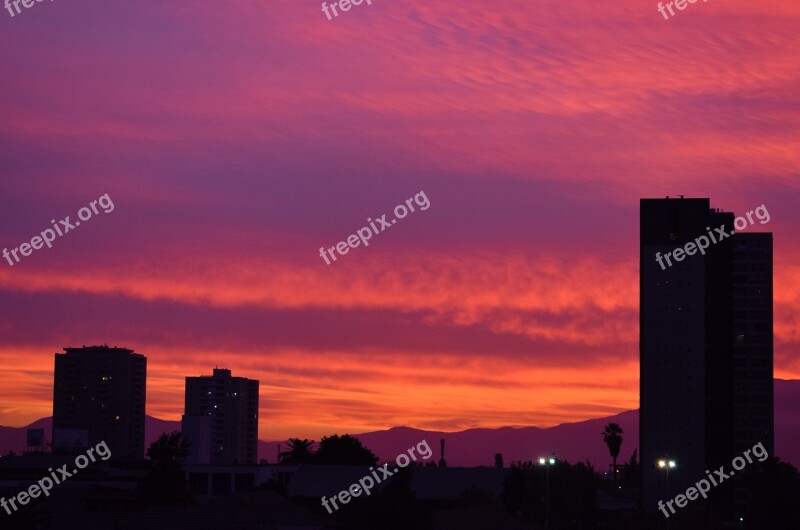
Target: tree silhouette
[775, 489]
[498, 460]
[395, 507]
[633, 469]
[514, 491]
[612, 436]
[343, 451]
[165, 483]
[573, 495]
[299, 452]
[168, 451]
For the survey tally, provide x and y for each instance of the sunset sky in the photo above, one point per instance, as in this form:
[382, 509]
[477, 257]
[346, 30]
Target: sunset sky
[236, 139]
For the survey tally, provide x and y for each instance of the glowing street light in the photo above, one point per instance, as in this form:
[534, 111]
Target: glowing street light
[667, 464]
[547, 462]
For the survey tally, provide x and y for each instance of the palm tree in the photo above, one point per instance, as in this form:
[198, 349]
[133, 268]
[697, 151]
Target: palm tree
[612, 436]
[299, 452]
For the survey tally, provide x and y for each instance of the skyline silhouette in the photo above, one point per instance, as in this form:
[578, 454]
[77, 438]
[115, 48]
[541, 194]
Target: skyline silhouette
[227, 176]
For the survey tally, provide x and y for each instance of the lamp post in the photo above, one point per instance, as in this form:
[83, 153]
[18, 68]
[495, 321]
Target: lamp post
[547, 462]
[666, 464]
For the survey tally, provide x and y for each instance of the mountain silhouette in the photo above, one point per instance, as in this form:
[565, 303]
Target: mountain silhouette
[574, 442]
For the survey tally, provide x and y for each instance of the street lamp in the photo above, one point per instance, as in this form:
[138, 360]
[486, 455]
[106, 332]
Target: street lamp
[547, 462]
[666, 464]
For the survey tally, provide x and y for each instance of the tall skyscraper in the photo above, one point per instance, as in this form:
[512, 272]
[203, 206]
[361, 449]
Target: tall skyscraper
[705, 349]
[221, 419]
[99, 395]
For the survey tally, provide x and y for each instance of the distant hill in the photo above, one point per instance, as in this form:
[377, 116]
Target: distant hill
[14, 438]
[476, 447]
[579, 441]
[575, 442]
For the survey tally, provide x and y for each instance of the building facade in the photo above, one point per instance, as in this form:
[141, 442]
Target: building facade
[99, 395]
[705, 350]
[221, 419]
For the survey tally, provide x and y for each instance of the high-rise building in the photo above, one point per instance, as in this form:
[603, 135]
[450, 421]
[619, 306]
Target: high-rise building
[221, 419]
[99, 395]
[705, 349]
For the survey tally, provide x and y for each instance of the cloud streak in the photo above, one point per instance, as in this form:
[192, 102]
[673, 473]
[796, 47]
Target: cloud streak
[237, 141]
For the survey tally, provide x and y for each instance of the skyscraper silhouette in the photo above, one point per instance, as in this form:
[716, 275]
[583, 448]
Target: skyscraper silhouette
[221, 419]
[706, 387]
[99, 395]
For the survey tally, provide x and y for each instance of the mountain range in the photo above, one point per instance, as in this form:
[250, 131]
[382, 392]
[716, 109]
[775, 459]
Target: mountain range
[580, 441]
